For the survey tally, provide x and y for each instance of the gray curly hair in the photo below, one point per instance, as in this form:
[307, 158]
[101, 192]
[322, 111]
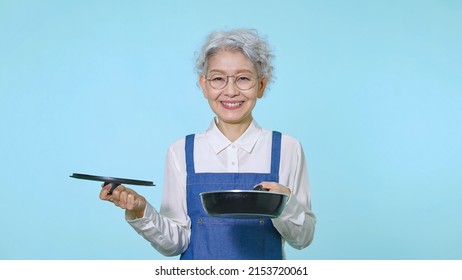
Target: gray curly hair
[246, 41]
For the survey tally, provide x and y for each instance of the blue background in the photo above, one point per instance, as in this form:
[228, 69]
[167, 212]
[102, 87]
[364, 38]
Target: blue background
[372, 89]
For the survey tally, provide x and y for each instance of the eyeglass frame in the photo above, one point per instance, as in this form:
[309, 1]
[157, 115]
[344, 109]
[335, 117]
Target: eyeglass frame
[235, 78]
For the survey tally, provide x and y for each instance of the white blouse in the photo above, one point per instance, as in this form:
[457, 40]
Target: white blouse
[169, 230]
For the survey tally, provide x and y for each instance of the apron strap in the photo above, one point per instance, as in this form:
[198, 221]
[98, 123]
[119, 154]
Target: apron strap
[189, 150]
[276, 152]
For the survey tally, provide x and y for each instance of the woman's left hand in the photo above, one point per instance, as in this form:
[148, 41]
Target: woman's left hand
[275, 187]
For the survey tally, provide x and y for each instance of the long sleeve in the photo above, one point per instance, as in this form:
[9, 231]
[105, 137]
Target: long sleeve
[168, 231]
[297, 222]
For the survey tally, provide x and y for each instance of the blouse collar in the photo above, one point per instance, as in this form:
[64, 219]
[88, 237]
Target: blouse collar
[246, 141]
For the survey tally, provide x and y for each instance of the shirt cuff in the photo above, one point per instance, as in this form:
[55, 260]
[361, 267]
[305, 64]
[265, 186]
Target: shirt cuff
[150, 214]
[293, 211]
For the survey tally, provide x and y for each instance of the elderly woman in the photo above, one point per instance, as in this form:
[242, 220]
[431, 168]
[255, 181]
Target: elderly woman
[233, 153]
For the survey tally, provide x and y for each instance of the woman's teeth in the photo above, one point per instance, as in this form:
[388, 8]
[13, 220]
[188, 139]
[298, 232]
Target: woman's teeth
[231, 104]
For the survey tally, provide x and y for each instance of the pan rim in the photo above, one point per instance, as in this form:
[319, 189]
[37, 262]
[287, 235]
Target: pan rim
[242, 191]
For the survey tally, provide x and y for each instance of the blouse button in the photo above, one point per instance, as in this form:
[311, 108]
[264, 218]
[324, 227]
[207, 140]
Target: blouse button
[199, 220]
[262, 222]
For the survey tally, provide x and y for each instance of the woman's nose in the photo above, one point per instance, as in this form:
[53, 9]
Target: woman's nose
[231, 88]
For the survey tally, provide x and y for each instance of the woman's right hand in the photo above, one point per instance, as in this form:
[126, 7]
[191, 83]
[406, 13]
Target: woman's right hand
[125, 198]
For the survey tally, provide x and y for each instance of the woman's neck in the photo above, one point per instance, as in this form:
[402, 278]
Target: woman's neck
[233, 131]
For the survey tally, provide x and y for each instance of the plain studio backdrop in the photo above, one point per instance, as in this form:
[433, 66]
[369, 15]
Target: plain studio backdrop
[372, 89]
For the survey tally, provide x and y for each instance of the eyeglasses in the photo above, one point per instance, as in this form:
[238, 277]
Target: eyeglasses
[243, 82]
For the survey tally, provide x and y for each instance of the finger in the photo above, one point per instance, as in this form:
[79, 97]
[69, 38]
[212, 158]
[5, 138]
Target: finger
[113, 187]
[274, 187]
[131, 201]
[117, 191]
[123, 196]
[136, 202]
[104, 193]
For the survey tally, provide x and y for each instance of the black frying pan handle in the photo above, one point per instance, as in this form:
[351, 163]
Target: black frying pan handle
[259, 188]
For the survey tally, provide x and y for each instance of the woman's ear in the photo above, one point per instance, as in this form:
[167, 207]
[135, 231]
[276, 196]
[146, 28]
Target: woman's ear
[202, 82]
[261, 86]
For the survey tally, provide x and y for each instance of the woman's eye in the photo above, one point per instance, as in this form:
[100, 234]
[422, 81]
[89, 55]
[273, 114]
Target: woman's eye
[217, 78]
[244, 78]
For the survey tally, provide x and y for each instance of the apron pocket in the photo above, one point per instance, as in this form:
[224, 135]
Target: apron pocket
[234, 239]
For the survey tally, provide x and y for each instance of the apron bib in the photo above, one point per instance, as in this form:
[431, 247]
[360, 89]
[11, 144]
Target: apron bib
[223, 238]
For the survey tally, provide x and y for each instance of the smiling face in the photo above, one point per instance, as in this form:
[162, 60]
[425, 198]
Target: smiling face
[232, 106]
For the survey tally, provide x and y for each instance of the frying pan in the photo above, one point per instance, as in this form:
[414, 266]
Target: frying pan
[114, 181]
[243, 204]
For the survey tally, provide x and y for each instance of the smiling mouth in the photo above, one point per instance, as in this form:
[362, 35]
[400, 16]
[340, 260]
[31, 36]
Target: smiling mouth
[232, 105]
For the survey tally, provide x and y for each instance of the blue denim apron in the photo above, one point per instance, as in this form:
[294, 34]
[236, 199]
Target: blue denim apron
[223, 238]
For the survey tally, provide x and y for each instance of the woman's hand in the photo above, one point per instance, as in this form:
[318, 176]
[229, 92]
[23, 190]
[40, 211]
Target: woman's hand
[125, 198]
[275, 187]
